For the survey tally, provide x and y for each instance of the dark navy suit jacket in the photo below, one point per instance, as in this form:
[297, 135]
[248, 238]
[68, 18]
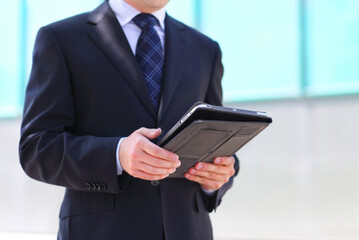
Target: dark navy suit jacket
[86, 92]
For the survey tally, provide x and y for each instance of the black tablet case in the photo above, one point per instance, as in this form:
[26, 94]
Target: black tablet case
[208, 131]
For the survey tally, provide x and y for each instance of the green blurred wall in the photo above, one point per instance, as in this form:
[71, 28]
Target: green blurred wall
[274, 49]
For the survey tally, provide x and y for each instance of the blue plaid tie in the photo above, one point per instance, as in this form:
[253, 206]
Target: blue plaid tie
[149, 56]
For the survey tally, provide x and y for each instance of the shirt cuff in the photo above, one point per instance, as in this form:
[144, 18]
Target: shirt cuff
[209, 193]
[118, 163]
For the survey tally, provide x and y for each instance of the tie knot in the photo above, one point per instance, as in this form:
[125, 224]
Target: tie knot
[144, 19]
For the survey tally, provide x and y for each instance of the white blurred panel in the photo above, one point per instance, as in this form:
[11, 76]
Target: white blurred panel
[26, 205]
[299, 178]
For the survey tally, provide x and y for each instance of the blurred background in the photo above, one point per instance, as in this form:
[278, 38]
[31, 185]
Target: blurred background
[297, 60]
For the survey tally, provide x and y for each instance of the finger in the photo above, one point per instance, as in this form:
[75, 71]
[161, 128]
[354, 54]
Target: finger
[224, 160]
[150, 169]
[210, 167]
[146, 176]
[158, 162]
[210, 184]
[150, 133]
[159, 152]
[210, 175]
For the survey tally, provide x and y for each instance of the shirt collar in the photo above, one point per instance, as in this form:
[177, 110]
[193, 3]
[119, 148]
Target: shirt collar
[125, 12]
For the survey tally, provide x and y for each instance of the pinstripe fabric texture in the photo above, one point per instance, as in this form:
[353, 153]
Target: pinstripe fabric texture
[149, 56]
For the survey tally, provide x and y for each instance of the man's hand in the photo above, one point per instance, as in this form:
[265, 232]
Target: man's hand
[212, 176]
[143, 159]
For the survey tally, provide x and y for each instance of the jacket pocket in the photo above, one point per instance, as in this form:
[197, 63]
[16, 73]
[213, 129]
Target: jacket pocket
[80, 202]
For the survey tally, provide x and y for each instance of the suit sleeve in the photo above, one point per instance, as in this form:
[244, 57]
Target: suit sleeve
[214, 96]
[49, 151]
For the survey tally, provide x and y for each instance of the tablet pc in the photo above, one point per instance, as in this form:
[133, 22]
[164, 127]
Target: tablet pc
[207, 131]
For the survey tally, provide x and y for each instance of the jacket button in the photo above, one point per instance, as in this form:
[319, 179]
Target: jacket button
[103, 187]
[87, 186]
[98, 187]
[93, 187]
[155, 183]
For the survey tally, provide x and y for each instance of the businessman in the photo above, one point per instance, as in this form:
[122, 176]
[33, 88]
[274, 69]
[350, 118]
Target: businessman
[103, 88]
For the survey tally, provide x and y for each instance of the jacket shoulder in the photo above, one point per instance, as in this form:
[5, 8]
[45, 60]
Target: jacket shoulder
[80, 20]
[68, 24]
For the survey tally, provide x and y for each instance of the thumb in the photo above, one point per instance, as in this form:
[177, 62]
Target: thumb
[150, 133]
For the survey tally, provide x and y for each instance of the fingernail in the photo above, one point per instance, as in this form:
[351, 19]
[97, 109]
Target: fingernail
[199, 166]
[175, 158]
[217, 160]
[178, 163]
[192, 170]
[187, 175]
[173, 170]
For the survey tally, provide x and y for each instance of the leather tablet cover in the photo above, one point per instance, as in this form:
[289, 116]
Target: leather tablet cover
[203, 140]
[203, 111]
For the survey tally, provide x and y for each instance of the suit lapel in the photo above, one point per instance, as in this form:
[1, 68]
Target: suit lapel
[108, 35]
[176, 51]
